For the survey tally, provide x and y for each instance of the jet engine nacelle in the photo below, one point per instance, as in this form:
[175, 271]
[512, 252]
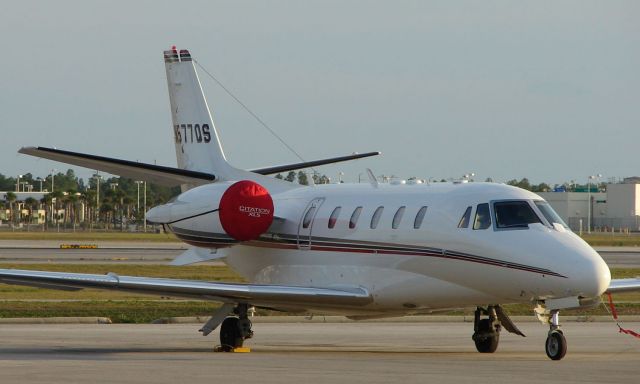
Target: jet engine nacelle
[242, 210]
[245, 210]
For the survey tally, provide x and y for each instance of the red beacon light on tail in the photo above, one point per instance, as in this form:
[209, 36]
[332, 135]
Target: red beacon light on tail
[246, 210]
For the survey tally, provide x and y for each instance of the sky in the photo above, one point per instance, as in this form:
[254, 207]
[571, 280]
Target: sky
[547, 90]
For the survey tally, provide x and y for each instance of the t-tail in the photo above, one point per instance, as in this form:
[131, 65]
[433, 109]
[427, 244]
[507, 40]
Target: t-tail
[197, 143]
[198, 148]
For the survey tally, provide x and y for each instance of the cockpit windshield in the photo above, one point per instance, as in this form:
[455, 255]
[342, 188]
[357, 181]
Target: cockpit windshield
[549, 213]
[514, 214]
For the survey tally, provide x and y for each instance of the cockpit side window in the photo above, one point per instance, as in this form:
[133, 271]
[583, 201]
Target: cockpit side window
[514, 214]
[464, 221]
[549, 213]
[483, 217]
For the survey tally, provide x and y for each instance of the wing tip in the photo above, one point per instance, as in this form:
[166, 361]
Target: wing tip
[27, 150]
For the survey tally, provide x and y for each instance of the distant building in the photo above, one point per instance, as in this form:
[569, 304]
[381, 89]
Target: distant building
[618, 208]
[573, 207]
[631, 180]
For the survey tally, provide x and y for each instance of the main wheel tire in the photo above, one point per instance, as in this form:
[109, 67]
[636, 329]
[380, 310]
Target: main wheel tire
[488, 343]
[556, 345]
[230, 334]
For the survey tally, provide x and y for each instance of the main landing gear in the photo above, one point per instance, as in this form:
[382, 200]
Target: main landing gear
[486, 333]
[234, 330]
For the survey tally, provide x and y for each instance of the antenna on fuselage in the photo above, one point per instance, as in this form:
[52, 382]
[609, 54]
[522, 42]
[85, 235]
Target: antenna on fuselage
[372, 178]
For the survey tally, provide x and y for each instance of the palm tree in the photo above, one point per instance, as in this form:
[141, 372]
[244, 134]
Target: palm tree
[71, 200]
[57, 195]
[10, 197]
[29, 203]
[46, 202]
[88, 197]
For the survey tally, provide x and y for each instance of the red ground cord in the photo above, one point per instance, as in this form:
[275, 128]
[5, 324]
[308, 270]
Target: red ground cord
[614, 313]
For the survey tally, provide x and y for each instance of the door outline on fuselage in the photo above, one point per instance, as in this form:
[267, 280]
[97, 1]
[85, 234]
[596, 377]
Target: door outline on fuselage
[304, 234]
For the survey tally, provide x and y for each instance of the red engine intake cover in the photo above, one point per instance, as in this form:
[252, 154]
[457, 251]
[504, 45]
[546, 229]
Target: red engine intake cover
[246, 210]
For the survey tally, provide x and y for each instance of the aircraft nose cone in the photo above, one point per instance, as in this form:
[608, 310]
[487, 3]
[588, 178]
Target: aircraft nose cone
[595, 276]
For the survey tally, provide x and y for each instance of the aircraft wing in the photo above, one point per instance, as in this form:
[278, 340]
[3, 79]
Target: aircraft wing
[624, 285]
[267, 296]
[166, 176]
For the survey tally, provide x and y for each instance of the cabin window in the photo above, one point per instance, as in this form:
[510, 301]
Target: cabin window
[354, 217]
[334, 217]
[464, 220]
[514, 214]
[306, 221]
[375, 219]
[483, 217]
[397, 218]
[549, 213]
[417, 223]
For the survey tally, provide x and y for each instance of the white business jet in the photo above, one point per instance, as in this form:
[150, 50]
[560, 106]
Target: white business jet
[360, 250]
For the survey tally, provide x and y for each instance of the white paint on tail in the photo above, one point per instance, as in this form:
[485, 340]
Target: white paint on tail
[197, 143]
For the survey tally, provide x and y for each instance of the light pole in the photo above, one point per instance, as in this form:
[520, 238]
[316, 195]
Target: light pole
[592, 177]
[145, 206]
[97, 177]
[18, 183]
[138, 182]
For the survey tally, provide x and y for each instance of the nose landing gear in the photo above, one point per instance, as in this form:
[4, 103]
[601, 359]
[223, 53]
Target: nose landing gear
[556, 344]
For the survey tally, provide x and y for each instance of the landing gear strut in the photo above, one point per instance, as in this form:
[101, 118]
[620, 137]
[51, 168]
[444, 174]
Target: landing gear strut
[556, 344]
[486, 333]
[236, 329]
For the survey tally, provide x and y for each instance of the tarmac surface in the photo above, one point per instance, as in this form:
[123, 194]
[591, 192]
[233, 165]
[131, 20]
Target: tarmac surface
[370, 352]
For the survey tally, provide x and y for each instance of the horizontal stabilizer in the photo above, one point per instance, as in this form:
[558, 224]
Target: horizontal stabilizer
[166, 176]
[260, 295]
[309, 164]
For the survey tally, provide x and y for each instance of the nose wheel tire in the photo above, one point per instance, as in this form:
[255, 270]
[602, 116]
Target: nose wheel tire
[556, 345]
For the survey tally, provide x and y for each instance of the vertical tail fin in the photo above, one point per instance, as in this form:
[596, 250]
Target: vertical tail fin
[197, 143]
[198, 146]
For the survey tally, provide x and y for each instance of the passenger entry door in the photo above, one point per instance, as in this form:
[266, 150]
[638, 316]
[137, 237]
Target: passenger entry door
[306, 223]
